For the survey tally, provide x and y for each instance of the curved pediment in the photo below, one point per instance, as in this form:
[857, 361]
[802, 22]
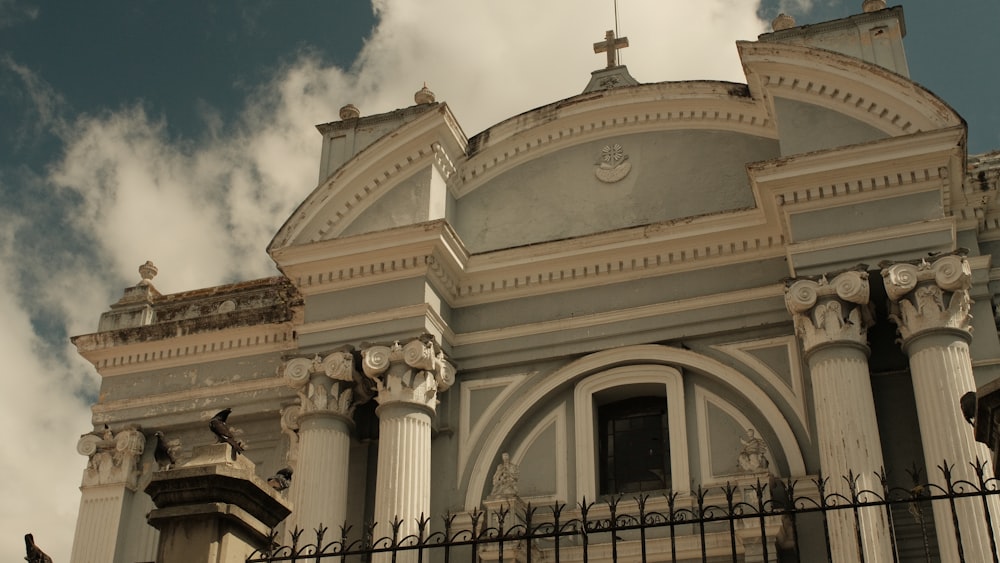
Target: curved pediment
[614, 159]
[858, 90]
[426, 146]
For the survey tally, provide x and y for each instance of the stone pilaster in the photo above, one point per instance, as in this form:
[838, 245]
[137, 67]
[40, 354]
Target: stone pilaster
[408, 377]
[832, 319]
[931, 306]
[327, 393]
[107, 492]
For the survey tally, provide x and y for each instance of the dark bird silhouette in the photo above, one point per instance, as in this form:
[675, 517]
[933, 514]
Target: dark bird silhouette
[968, 404]
[282, 480]
[32, 553]
[162, 455]
[223, 432]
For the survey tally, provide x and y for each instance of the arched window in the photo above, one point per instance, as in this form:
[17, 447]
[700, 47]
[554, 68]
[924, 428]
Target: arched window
[634, 445]
[630, 431]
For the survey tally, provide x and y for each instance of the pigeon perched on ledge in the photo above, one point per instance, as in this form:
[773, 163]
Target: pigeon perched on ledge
[223, 432]
[282, 480]
[161, 454]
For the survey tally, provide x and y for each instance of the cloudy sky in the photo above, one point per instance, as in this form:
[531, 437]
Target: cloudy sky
[182, 132]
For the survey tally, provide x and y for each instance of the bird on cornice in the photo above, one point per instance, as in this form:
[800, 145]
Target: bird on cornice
[161, 454]
[281, 480]
[223, 432]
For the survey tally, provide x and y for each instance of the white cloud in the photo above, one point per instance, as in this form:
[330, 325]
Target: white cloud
[204, 210]
[44, 417]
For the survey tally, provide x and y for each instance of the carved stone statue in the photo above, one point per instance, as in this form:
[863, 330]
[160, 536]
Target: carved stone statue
[505, 478]
[752, 457]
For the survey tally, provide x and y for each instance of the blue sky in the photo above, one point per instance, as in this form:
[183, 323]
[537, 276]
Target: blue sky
[182, 132]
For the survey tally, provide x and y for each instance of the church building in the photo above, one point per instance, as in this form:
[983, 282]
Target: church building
[644, 290]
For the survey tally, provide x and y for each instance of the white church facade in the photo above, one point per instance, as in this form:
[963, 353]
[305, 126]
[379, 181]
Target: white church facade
[643, 289]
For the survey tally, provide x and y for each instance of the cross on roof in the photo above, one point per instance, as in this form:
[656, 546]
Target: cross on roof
[611, 44]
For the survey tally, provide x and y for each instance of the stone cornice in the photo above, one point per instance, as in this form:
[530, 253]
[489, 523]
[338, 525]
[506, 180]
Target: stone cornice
[649, 107]
[867, 92]
[432, 138]
[111, 358]
[432, 250]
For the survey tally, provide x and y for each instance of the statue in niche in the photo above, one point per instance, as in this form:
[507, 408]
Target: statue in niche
[753, 452]
[505, 478]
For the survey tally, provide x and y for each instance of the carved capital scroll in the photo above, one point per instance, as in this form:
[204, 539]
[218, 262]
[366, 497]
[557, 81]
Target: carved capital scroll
[112, 457]
[926, 296]
[831, 311]
[413, 372]
[325, 384]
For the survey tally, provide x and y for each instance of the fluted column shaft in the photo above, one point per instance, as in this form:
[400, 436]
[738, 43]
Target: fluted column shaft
[930, 305]
[831, 319]
[326, 390]
[408, 378]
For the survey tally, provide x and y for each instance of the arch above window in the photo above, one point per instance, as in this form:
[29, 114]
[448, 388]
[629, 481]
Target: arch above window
[622, 383]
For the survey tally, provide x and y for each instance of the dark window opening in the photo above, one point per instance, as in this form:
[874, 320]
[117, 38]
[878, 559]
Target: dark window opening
[634, 445]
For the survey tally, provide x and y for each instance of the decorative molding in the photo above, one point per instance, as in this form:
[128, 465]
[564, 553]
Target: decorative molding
[326, 385]
[411, 373]
[556, 420]
[702, 398]
[112, 457]
[792, 391]
[865, 91]
[585, 416]
[189, 399]
[119, 359]
[649, 107]
[827, 312]
[481, 464]
[469, 432]
[917, 296]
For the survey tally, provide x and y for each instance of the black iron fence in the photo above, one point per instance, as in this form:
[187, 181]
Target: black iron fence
[775, 521]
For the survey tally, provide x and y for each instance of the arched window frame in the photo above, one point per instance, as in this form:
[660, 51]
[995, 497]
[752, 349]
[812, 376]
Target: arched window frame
[640, 377]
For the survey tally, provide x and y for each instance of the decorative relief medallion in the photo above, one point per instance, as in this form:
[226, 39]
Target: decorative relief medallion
[614, 164]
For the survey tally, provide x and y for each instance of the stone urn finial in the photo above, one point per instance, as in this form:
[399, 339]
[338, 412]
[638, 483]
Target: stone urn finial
[350, 111]
[147, 272]
[424, 96]
[872, 5]
[783, 21]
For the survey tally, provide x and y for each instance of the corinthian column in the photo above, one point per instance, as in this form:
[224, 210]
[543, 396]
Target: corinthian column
[930, 305]
[327, 392]
[832, 319]
[408, 378]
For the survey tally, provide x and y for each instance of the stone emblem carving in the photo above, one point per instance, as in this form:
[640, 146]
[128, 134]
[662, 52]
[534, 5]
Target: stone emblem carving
[918, 292]
[505, 478]
[753, 453]
[825, 311]
[614, 164]
[112, 458]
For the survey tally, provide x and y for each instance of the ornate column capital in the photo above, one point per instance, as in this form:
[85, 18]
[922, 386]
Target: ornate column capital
[412, 372]
[326, 384]
[918, 291]
[829, 311]
[112, 457]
